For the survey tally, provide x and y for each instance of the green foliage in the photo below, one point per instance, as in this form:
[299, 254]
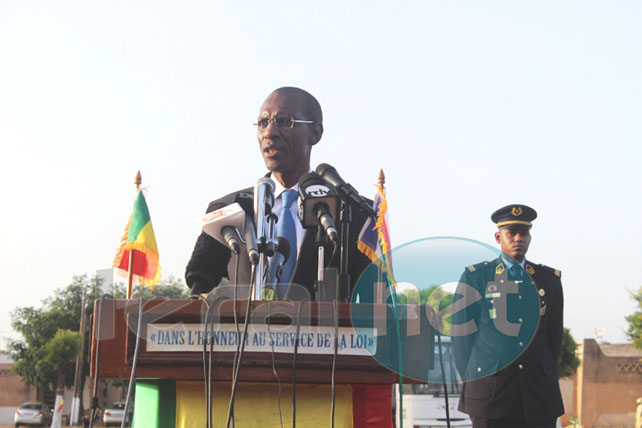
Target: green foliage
[635, 320]
[433, 297]
[168, 288]
[62, 350]
[60, 354]
[39, 327]
[567, 361]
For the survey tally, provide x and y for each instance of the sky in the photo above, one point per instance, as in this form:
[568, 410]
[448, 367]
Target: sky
[467, 106]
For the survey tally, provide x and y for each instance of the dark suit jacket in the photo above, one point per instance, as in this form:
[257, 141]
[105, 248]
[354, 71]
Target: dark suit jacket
[526, 387]
[212, 264]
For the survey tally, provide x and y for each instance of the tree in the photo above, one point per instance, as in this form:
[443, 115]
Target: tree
[635, 320]
[38, 327]
[567, 361]
[434, 297]
[168, 288]
[61, 352]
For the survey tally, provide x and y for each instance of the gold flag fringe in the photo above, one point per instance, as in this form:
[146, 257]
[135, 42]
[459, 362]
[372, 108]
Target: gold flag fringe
[124, 246]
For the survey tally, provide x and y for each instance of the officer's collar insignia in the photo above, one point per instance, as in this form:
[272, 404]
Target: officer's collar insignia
[500, 268]
[517, 211]
[530, 269]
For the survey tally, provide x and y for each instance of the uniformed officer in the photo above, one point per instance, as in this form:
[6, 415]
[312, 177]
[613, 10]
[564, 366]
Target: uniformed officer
[514, 308]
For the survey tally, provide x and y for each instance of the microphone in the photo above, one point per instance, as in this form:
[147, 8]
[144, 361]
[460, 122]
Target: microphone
[231, 237]
[249, 234]
[250, 240]
[330, 175]
[318, 204]
[223, 223]
[263, 202]
[276, 262]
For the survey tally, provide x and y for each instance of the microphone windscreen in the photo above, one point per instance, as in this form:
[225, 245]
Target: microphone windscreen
[323, 168]
[310, 178]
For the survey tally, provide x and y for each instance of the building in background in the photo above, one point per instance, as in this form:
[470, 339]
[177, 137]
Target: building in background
[108, 280]
[13, 391]
[606, 385]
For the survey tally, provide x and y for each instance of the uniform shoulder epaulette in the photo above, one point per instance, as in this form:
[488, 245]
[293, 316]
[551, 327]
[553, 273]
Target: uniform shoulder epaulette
[551, 270]
[478, 266]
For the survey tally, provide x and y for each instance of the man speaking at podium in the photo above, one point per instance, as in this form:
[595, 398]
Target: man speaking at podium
[290, 123]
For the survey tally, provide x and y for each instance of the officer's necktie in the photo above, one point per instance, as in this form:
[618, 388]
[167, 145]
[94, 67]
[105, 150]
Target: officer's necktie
[286, 228]
[516, 271]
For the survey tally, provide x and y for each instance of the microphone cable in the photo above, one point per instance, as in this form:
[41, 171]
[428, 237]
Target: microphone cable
[208, 338]
[276, 375]
[236, 321]
[335, 311]
[132, 377]
[237, 361]
[296, 351]
[93, 414]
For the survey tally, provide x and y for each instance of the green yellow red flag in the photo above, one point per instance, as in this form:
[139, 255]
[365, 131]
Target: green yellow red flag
[139, 238]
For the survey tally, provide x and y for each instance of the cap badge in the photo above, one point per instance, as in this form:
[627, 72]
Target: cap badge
[517, 211]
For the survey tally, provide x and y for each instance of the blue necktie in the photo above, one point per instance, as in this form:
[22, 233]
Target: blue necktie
[286, 228]
[516, 271]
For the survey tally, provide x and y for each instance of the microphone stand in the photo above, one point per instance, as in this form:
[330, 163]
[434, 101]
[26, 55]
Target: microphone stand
[319, 286]
[266, 247]
[343, 283]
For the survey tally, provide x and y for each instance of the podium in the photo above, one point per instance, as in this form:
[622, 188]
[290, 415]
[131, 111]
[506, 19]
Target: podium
[171, 345]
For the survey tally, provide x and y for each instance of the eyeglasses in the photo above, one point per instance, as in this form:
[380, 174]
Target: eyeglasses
[280, 122]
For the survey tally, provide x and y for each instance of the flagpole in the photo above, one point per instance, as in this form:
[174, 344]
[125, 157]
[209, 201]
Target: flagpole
[393, 295]
[130, 267]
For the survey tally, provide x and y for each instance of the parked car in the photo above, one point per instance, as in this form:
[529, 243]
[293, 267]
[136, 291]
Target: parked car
[114, 414]
[33, 414]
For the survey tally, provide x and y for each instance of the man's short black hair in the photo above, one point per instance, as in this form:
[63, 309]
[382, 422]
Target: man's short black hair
[313, 108]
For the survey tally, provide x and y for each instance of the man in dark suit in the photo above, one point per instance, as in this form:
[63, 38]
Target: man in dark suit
[290, 123]
[508, 361]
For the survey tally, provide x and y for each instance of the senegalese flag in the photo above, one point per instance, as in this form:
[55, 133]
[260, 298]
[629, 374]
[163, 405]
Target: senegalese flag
[374, 238]
[139, 238]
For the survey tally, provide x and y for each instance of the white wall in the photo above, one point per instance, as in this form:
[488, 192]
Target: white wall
[6, 415]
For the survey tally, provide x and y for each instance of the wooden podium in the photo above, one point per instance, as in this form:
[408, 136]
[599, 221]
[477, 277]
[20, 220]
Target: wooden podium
[118, 338]
[179, 321]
